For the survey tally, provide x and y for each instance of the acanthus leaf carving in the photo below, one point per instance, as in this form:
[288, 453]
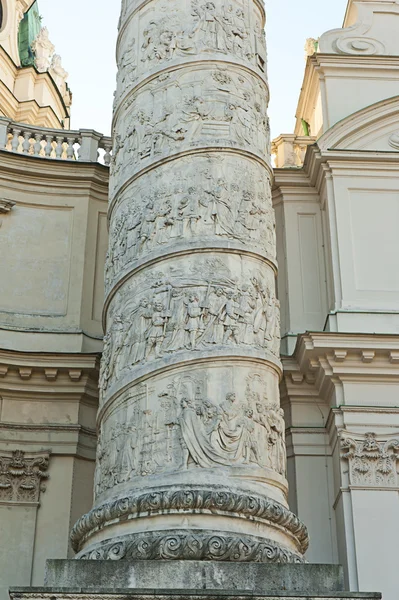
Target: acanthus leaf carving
[372, 462]
[22, 477]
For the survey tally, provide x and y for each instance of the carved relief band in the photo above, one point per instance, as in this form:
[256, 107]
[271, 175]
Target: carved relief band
[191, 458]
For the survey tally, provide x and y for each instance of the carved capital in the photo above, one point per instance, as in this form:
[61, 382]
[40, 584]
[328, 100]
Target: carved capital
[372, 462]
[22, 477]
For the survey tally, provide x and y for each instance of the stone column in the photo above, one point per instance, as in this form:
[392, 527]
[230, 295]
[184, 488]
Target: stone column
[191, 453]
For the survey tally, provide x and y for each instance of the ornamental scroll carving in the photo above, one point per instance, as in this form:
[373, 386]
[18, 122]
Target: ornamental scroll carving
[374, 33]
[193, 545]
[21, 477]
[372, 462]
[203, 308]
[183, 428]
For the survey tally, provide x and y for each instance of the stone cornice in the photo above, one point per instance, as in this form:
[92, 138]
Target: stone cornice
[48, 427]
[354, 61]
[325, 360]
[21, 170]
[49, 375]
[43, 359]
[311, 178]
[66, 439]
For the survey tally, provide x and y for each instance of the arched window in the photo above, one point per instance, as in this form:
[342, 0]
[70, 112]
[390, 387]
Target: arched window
[1, 15]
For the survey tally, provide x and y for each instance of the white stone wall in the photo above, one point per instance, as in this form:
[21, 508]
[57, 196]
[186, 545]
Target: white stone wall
[341, 384]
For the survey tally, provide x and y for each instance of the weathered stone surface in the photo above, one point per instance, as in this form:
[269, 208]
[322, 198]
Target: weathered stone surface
[126, 594]
[191, 460]
[193, 575]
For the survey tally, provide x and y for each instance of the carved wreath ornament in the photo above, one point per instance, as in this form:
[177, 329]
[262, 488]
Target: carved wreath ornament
[21, 478]
[215, 501]
[371, 462]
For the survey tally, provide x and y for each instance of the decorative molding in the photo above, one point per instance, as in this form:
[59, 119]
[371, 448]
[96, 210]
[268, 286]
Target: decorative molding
[192, 545]
[372, 462]
[6, 205]
[21, 477]
[325, 360]
[48, 367]
[394, 140]
[360, 130]
[373, 33]
[213, 501]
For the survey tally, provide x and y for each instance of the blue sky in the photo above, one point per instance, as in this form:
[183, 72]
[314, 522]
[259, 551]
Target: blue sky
[84, 33]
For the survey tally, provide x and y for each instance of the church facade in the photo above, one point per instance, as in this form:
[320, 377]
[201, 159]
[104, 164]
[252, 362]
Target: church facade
[335, 193]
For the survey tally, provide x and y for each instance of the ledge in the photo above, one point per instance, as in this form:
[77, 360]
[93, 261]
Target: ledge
[193, 578]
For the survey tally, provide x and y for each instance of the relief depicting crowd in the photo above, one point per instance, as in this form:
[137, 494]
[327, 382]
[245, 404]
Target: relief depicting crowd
[187, 430]
[209, 208]
[180, 317]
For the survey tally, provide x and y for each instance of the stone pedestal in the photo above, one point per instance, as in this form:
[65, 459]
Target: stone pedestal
[188, 580]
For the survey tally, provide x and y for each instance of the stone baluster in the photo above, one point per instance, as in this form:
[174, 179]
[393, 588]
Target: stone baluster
[37, 148]
[26, 143]
[107, 155]
[59, 149]
[49, 146]
[70, 152]
[191, 454]
[15, 140]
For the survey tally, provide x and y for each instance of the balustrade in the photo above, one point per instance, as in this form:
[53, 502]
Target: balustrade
[84, 145]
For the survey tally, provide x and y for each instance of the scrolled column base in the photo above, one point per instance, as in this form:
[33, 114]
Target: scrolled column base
[191, 545]
[197, 504]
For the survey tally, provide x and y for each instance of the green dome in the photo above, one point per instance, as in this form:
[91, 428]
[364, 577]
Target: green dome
[29, 29]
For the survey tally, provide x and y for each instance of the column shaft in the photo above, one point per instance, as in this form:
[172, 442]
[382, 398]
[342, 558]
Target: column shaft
[191, 457]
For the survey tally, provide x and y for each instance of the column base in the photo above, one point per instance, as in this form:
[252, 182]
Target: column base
[188, 580]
